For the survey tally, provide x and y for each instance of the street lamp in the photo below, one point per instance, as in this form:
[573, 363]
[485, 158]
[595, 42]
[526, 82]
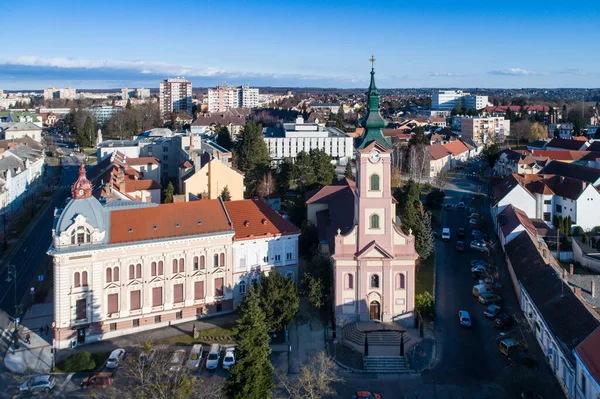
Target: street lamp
[12, 275]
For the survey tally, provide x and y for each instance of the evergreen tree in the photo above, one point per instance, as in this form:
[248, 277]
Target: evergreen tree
[324, 170]
[225, 194]
[283, 177]
[418, 137]
[168, 193]
[408, 217]
[252, 156]
[87, 134]
[224, 137]
[252, 374]
[128, 106]
[584, 239]
[423, 233]
[303, 173]
[569, 226]
[278, 299]
[348, 172]
[339, 120]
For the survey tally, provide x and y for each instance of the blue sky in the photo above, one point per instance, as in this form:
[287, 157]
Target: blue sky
[453, 43]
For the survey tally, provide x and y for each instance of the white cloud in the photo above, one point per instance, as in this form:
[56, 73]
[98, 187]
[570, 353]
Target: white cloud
[446, 75]
[517, 72]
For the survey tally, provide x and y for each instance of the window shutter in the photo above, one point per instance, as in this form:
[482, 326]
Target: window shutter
[199, 290]
[178, 293]
[135, 301]
[113, 303]
[156, 296]
[219, 286]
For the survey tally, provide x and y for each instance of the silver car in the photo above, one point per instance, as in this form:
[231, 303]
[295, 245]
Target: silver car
[41, 383]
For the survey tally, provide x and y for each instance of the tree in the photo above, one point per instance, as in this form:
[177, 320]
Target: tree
[520, 130]
[423, 233]
[279, 300]
[315, 379]
[319, 267]
[442, 179]
[396, 177]
[538, 132]
[283, 176]
[491, 154]
[225, 194]
[128, 105]
[408, 217]
[313, 290]
[324, 170]
[303, 173]
[224, 137]
[418, 137]
[576, 118]
[168, 193]
[339, 120]
[252, 156]
[252, 374]
[348, 172]
[308, 241]
[88, 132]
[424, 304]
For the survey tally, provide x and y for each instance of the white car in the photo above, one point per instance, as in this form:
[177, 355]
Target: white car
[229, 358]
[115, 358]
[41, 383]
[446, 234]
[212, 361]
[177, 360]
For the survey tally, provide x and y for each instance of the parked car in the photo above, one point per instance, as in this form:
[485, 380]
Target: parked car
[464, 319]
[460, 232]
[479, 262]
[366, 395]
[177, 360]
[461, 205]
[509, 346]
[480, 235]
[115, 358]
[146, 358]
[446, 234]
[212, 361]
[491, 283]
[480, 289]
[492, 311]
[229, 358]
[487, 298]
[460, 246]
[449, 207]
[473, 210]
[479, 245]
[195, 357]
[97, 380]
[41, 383]
[503, 321]
[479, 269]
[473, 221]
[473, 216]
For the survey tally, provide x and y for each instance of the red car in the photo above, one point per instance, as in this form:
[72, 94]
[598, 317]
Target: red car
[97, 380]
[366, 395]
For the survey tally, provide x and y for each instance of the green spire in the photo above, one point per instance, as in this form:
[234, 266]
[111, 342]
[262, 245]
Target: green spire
[373, 122]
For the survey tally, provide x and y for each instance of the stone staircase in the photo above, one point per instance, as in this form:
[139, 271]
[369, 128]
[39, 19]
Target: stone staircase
[385, 364]
[376, 337]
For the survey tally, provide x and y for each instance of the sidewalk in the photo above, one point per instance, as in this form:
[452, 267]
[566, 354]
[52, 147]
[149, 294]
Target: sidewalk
[307, 336]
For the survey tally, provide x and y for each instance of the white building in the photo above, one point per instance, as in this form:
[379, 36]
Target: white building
[103, 113]
[587, 372]
[224, 97]
[67, 93]
[142, 93]
[491, 129]
[288, 140]
[446, 100]
[19, 130]
[175, 95]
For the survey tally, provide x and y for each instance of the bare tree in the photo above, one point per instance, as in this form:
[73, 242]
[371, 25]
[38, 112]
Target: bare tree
[315, 379]
[442, 179]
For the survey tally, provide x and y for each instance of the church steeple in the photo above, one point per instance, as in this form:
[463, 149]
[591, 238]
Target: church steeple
[82, 188]
[373, 122]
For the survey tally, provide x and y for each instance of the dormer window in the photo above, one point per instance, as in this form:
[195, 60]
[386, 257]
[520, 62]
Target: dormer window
[81, 235]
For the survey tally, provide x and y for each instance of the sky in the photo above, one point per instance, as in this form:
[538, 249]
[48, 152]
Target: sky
[311, 43]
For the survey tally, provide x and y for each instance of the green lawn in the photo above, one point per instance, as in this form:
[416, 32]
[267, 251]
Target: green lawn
[425, 275]
[224, 334]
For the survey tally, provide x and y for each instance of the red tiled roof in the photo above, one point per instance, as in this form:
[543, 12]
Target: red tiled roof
[501, 109]
[142, 161]
[437, 151]
[456, 147]
[321, 195]
[254, 219]
[132, 184]
[589, 353]
[171, 220]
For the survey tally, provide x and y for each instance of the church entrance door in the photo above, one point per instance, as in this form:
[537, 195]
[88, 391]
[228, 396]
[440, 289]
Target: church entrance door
[374, 311]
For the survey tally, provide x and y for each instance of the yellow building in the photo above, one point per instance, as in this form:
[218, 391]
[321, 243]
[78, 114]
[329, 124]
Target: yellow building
[209, 179]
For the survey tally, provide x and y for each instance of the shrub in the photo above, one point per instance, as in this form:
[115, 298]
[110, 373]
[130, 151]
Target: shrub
[424, 304]
[584, 239]
[82, 361]
[577, 231]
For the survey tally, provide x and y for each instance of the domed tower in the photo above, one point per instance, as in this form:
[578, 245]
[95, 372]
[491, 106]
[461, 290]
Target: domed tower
[82, 188]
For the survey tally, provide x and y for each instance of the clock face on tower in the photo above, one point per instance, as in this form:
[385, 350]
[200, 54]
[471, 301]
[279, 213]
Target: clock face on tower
[374, 156]
[81, 192]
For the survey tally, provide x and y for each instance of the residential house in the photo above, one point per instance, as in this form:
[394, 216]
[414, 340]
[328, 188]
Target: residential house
[459, 152]
[587, 174]
[587, 256]
[232, 119]
[587, 369]
[511, 222]
[439, 159]
[18, 130]
[566, 144]
[147, 167]
[206, 177]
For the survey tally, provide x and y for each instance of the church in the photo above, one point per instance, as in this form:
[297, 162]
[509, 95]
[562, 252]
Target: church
[123, 267]
[373, 259]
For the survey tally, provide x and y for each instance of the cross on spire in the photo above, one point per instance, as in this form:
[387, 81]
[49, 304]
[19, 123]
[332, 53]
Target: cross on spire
[372, 59]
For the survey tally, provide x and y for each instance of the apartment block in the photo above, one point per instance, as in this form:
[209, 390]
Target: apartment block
[175, 95]
[485, 130]
[225, 97]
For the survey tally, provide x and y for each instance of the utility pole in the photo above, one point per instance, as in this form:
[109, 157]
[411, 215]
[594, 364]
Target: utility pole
[12, 276]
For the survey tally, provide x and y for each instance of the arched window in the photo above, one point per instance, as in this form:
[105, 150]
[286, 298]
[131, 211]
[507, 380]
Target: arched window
[216, 260]
[374, 281]
[84, 281]
[108, 275]
[131, 272]
[374, 182]
[76, 282]
[400, 281]
[153, 269]
[174, 265]
[116, 273]
[350, 281]
[242, 285]
[375, 221]
[195, 263]
[202, 262]
[160, 268]
[222, 260]
[81, 235]
[138, 271]
[181, 265]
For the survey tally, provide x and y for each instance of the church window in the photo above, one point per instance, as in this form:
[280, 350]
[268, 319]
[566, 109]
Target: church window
[375, 281]
[349, 281]
[116, 273]
[160, 268]
[153, 269]
[374, 221]
[138, 271]
[80, 235]
[84, 278]
[181, 265]
[375, 182]
[216, 260]
[400, 281]
[131, 272]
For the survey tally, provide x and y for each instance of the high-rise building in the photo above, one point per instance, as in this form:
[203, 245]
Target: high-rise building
[492, 129]
[446, 100]
[224, 97]
[125, 94]
[142, 93]
[67, 93]
[175, 96]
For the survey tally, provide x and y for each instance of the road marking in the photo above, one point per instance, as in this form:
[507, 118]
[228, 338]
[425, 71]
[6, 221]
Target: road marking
[66, 382]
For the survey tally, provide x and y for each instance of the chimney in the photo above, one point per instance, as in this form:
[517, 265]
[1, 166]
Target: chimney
[578, 292]
[571, 269]
[593, 289]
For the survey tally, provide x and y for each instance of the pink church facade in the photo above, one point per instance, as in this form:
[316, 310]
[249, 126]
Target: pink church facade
[373, 259]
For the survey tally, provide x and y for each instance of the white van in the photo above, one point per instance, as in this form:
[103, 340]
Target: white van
[446, 234]
[195, 357]
[480, 289]
[212, 361]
